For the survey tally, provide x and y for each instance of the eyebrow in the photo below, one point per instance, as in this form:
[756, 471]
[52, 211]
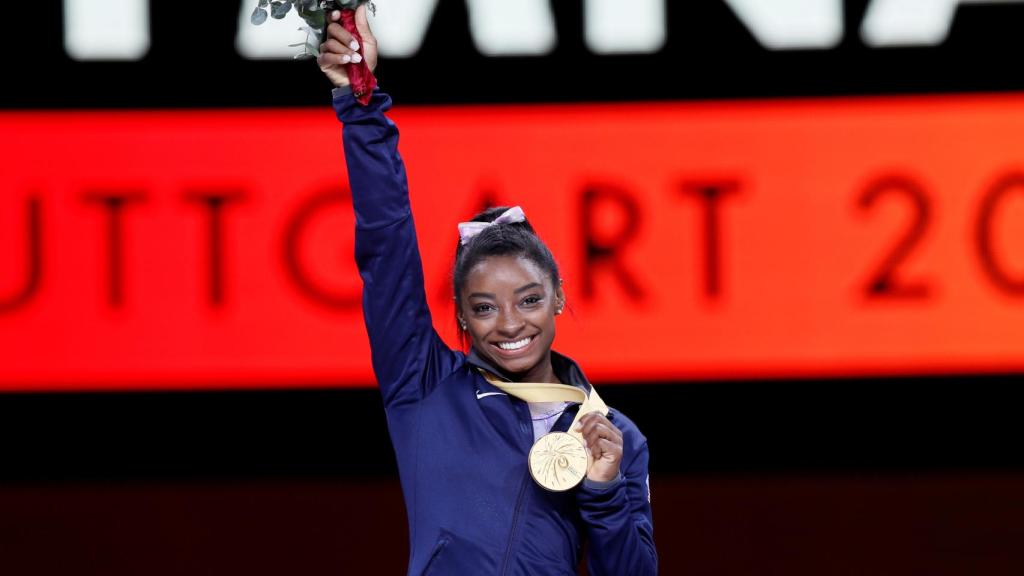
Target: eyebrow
[529, 286]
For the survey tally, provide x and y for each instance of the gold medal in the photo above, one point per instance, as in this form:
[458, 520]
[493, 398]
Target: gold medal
[558, 461]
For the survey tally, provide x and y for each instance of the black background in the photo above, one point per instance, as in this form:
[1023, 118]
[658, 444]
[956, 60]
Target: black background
[709, 54]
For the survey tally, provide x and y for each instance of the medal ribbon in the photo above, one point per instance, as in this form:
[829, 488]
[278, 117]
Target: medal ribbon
[544, 392]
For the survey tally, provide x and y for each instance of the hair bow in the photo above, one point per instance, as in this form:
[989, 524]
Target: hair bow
[467, 230]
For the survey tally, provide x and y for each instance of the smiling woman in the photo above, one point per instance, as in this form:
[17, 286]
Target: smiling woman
[508, 310]
[510, 462]
[508, 291]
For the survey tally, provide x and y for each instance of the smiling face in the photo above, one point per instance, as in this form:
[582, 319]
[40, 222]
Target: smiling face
[509, 305]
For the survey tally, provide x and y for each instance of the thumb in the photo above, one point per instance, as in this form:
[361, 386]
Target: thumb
[362, 24]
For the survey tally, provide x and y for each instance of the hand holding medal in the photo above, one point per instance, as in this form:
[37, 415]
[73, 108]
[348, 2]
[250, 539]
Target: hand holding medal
[604, 442]
[592, 448]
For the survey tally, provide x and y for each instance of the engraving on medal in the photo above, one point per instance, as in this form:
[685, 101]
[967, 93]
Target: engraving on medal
[558, 461]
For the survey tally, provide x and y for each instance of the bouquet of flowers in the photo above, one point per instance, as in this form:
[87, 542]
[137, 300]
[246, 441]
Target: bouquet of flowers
[315, 12]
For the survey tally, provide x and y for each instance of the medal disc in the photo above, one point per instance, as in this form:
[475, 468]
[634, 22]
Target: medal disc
[558, 461]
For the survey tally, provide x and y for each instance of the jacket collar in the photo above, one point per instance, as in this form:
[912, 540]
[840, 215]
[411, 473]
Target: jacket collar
[565, 369]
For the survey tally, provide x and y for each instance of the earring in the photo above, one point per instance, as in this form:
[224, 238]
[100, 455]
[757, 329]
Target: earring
[462, 324]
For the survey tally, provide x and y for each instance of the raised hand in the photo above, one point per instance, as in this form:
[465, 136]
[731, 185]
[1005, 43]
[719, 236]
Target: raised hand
[341, 47]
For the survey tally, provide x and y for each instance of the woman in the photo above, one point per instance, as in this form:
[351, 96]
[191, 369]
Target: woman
[461, 434]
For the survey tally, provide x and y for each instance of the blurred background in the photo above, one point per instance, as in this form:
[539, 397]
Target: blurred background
[791, 233]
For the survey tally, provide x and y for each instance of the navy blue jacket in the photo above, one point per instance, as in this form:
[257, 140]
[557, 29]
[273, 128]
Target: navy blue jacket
[461, 443]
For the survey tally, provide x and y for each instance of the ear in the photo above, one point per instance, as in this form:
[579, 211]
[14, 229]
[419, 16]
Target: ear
[559, 298]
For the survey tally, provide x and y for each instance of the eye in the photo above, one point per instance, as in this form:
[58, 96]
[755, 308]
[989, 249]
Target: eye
[532, 300]
[482, 308]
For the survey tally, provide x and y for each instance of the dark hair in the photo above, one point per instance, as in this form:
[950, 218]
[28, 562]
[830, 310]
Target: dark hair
[507, 239]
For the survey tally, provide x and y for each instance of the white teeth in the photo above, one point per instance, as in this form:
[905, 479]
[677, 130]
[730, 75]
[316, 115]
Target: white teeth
[514, 345]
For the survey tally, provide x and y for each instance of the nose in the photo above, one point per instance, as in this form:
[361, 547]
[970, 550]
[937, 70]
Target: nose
[510, 323]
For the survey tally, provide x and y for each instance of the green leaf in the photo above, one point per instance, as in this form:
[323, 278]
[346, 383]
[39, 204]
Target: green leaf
[353, 4]
[309, 52]
[312, 35]
[308, 8]
[259, 16]
[316, 20]
[279, 10]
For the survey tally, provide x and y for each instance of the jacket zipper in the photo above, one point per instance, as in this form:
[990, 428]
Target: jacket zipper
[515, 524]
[526, 430]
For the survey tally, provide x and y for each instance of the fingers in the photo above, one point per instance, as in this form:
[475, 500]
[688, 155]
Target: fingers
[337, 32]
[334, 52]
[340, 47]
[331, 59]
[605, 449]
[603, 438]
[594, 424]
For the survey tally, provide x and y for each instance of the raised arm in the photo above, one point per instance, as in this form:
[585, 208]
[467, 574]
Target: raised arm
[408, 355]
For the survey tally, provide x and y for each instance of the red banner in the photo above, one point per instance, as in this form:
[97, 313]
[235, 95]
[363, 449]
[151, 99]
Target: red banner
[727, 240]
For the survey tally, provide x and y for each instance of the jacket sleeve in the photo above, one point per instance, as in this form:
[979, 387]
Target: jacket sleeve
[408, 355]
[620, 531]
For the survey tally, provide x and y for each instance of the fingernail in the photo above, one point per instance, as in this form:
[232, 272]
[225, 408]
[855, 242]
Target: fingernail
[353, 45]
[345, 59]
[357, 58]
[336, 14]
